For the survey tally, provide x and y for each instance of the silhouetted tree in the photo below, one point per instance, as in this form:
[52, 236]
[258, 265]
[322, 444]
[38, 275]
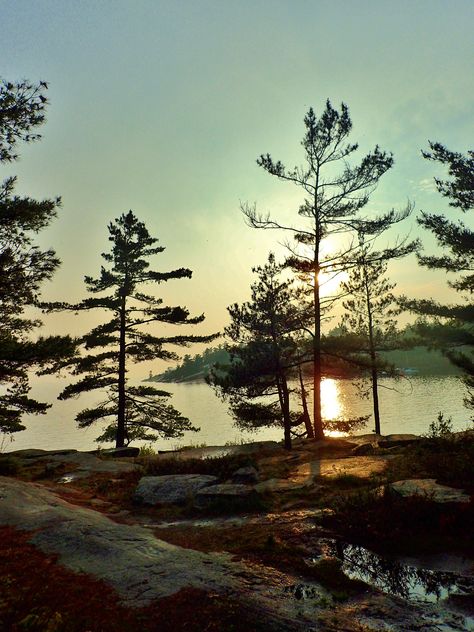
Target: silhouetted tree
[263, 354]
[370, 311]
[452, 326]
[23, 265]
[332, 207]
[138, 411]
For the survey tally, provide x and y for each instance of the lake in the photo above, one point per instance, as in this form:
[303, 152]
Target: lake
[407, 405]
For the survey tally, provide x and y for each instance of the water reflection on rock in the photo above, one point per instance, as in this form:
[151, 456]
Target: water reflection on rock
[393, 577]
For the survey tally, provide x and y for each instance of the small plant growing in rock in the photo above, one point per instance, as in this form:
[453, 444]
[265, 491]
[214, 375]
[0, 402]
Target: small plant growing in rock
[440, 428]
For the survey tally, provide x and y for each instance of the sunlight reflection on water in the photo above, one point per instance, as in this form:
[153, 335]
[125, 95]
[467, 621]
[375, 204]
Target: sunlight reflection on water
[406, 405]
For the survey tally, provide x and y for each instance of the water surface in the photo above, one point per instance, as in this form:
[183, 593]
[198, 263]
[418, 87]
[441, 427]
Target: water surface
[407, 405]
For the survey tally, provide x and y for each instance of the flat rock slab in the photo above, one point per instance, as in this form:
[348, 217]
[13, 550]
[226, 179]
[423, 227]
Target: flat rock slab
[361, 466]
[171, 489]
[34, 453]
[390, 439]
[87, 464]
[216, 451]
[84, 463]
[126, 451]
[306, 474]
[431, 490]
[142, 568]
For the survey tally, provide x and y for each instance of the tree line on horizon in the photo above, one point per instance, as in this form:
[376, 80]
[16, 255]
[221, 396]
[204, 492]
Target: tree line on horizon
[272, 338]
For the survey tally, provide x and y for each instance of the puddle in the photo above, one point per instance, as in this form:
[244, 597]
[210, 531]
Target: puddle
[394, 577]
[72, 476]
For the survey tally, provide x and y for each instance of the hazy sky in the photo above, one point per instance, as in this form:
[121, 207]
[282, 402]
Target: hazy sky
[163, 108]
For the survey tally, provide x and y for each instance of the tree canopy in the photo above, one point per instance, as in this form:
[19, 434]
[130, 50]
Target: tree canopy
[451, 327]
[23, 265]
[263, 354]
[335, 196]
[134, 412]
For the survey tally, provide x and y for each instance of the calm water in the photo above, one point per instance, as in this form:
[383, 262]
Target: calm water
[407, 406]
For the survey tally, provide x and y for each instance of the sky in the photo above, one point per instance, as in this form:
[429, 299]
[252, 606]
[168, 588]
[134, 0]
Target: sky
[163, 108]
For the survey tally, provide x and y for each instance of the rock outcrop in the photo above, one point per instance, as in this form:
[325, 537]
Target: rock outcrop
[171, 489]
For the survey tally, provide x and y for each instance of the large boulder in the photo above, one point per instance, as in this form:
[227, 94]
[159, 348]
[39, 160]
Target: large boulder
[226, 496]
[429, 489]
[171, 489]
[392, 440]
[363, 449]
[245, 476]
[126, 451]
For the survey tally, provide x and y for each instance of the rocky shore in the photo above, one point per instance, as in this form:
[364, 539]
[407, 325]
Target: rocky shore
[255, 526]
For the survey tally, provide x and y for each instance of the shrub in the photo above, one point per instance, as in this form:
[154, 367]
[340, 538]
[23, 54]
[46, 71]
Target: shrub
[440, 428]
[222, 466]
[9, 466]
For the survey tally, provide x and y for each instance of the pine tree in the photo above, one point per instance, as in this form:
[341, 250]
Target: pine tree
[370, 311]
[263, 354]
[452, 326]
[137, 412]
[23, 265]
[331, 208]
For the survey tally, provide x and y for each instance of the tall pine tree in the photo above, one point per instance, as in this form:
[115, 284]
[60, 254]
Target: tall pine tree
[452, 326]
[23, 265]
[370, 310]
[264, 354]
[332, 207]
[135, 412]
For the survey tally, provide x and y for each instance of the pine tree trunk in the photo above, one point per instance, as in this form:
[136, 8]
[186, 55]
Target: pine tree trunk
[306, 417]
[375, 395]
[286, 414]
[373, 356]
[317, 416]
[120, 436]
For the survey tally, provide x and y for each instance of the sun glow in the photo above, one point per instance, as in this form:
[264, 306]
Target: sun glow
[331, 406]
[331, 403]
[329, 282]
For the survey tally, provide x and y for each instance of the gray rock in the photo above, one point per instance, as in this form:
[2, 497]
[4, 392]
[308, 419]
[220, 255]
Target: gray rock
[172, 489]
[363, 449]
[89, 463]
[33, 453]
[429, 489]
[391, 440]
[138, 565]
[121, 452]
[245, 476]
[225, 494]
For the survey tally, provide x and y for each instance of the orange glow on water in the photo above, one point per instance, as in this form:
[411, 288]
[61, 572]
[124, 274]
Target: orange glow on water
[331, 403]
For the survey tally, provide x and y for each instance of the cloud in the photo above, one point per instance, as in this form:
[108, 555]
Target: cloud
[427, 184]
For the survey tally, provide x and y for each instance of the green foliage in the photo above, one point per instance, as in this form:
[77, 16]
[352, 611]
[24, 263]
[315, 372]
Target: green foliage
[23, 265]
[345, 425]
[147, 450]
[369, 318]
[448, 458]
[263, 353]
[440, 428]
[195, 367]
[221, 466]
[135, 412]
[9, 466]
[400, 524]
[451, 327]
[330, 217]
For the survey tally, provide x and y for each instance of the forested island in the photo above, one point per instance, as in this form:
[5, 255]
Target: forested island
[419, 361]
